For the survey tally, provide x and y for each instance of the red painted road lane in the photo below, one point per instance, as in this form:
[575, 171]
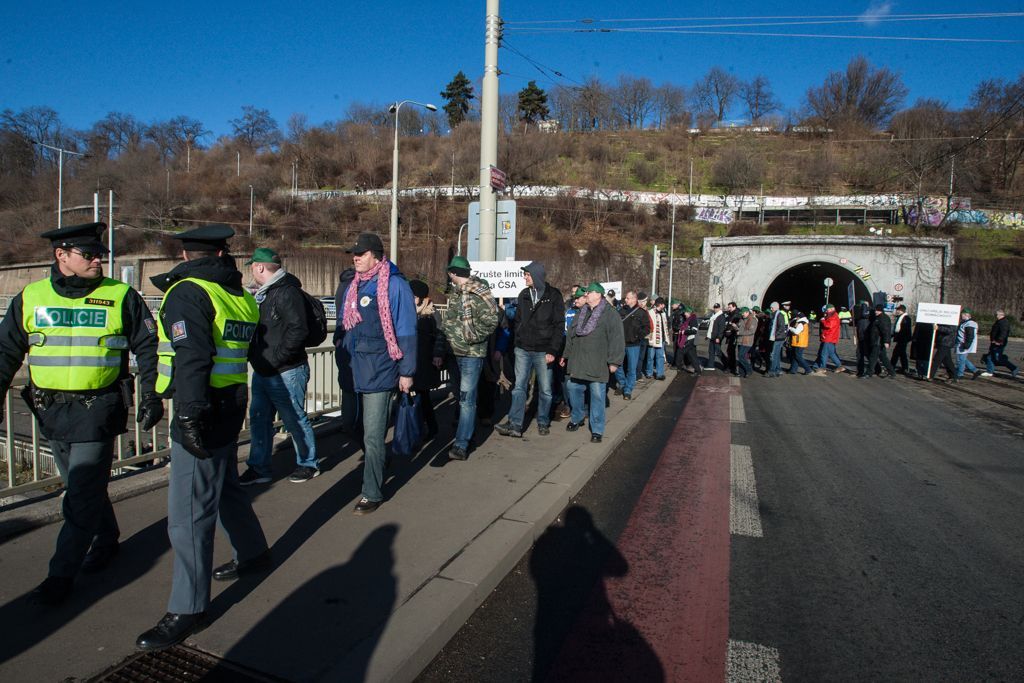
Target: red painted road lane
[662, 613]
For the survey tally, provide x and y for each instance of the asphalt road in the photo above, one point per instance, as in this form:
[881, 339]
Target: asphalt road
[891, 516]
[517, 634]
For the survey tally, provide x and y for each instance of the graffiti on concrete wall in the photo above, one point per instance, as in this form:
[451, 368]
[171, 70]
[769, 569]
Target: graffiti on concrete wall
[967, 217]
[713, 215]
[1007, 219]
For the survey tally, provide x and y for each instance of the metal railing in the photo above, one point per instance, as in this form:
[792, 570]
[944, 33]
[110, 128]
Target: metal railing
[29, 465]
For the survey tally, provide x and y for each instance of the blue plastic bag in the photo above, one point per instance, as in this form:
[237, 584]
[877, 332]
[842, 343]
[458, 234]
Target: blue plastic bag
[408, 425]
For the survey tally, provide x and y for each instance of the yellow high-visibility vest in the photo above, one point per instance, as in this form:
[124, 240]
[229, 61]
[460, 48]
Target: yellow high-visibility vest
[233, 327]
[74, 344]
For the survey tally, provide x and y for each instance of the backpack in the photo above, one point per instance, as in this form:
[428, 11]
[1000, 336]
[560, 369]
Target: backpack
[316, 320]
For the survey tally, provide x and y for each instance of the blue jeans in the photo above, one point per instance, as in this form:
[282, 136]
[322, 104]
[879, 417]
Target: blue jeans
[656, 361]
[996, 356]
[626, 374]
[597, 391]
[743, 360]
[376, 408]
[963, 363]
[798, 359]
[469, 379]
[527, 362]
[286, 394]
[776, 364]
[827, 353]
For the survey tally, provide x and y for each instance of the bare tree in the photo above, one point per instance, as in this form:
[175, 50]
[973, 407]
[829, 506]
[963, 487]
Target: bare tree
[860, 95]
[670, 106]
[917, 140]
[256, 128]
[737, 168]
[714, 93]
[371, 114]
[594, 105]
[758, 96]
[633, 100]
[995, 107]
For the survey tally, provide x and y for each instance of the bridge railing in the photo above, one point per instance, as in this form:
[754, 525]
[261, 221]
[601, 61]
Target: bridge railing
[28, 463]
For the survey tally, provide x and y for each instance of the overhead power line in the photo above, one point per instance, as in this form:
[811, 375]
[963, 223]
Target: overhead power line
[792, 17]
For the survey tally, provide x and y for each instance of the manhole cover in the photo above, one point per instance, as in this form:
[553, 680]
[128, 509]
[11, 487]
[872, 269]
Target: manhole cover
[180, 664]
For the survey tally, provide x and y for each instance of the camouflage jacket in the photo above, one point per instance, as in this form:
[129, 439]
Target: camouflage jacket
[470, 318]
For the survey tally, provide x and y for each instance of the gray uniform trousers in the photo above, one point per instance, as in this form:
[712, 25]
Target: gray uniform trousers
[199, 494]
[88, 515]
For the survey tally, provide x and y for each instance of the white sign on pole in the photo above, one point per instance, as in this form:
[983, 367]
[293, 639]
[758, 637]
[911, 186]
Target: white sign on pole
[939, 314]
[505, 277]
[898, 287]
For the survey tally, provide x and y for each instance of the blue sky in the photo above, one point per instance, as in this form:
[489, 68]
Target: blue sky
[206, 60]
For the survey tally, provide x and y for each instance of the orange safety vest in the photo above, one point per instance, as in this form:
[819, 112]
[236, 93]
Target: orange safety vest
[801, 340]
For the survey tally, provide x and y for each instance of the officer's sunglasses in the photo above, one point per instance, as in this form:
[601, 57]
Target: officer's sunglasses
[87, 255]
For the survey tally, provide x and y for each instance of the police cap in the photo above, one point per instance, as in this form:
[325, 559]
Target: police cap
[212, 237]
[85, 236]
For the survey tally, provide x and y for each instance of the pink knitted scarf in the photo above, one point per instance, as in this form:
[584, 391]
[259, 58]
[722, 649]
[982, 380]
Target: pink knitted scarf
[351, 318]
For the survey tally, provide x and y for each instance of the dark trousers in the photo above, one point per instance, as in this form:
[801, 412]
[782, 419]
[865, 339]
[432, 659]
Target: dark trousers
[88, 515]
[878, 355]
[201, 494]
[796, 358]
[730, 354]
[944, 357]
[899, 356]
[863, 353]
[688, 355]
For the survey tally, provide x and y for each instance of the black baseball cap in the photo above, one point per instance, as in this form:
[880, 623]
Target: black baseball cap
[367, 241]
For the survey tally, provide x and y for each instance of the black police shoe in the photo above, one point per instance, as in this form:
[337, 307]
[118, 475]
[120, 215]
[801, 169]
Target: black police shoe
[233, 569]
[171, 630]
[97, 559]
[573, 426]
[595, 438]
[52, 591]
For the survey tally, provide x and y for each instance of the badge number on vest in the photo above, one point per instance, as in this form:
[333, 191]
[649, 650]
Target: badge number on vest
[70, 317]
[238, 331]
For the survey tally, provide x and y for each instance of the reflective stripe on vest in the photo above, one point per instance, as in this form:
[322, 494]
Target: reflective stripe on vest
[75, 344]
[235, 319]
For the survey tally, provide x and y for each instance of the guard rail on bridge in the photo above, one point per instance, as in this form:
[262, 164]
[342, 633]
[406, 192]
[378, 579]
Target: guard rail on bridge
[29, 465]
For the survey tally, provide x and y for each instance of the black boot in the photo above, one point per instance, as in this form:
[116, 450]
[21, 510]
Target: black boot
[171, 630]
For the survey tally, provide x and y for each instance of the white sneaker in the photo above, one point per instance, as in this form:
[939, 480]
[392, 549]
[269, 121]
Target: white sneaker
[986, 374]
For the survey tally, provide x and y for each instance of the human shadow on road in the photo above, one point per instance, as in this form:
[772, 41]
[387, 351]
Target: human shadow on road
[26, 624]
[332, 621]
[577, 635]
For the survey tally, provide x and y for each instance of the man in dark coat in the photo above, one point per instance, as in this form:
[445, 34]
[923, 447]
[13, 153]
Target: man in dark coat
[879, 339]
[863, 317]
[539, 333]
[901, 336]
[998, 338]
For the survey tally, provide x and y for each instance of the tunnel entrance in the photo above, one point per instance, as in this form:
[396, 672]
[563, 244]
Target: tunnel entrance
[804, 285]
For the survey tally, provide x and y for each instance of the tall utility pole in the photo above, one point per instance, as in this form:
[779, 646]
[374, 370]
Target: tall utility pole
[671, 254]
[489, 133]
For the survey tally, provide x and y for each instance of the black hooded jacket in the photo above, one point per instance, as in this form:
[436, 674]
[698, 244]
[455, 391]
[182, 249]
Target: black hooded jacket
[279, 342]
[106, 416]
[222, 410]
[540, 326]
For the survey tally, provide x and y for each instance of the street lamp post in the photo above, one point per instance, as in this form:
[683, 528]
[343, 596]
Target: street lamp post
[394, 175]
[60, 176]
[250, 210]
[458, 241]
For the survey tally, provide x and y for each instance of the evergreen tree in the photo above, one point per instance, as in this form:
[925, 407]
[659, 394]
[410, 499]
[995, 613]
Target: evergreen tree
[533, 103]
[458, 93]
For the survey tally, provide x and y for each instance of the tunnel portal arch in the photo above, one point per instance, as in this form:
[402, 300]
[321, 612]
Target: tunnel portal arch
[804, 285]
[760, 269]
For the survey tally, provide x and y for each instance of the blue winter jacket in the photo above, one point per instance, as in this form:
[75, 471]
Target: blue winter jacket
[362, 353]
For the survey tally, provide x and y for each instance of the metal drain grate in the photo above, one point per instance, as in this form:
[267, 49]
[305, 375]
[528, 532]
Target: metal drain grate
[180, 664]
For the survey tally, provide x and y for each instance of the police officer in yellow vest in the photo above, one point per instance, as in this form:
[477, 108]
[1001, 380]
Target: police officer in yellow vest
[205, 324]
[77, 328]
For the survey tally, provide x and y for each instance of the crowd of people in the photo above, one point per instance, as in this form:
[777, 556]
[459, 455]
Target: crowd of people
[220, 350]
[747, 340]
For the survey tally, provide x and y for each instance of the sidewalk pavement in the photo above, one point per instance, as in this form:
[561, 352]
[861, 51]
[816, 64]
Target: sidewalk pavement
[350, 598]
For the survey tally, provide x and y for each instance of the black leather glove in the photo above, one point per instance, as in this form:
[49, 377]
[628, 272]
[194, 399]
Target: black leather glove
[192, 436]
[150, 411]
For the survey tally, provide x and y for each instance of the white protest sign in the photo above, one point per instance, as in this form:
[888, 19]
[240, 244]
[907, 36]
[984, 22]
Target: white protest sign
[940, 314]
[613, 287]
[505, 277]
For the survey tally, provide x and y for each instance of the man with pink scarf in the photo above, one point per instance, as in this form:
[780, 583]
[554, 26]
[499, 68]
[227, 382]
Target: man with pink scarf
[375, 342]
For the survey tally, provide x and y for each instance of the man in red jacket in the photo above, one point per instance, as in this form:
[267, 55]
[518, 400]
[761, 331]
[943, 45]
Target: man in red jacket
[829, 338]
